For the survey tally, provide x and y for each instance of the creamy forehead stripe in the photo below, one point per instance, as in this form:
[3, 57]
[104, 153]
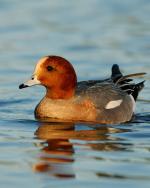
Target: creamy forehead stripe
[39, 63]
[113, 104]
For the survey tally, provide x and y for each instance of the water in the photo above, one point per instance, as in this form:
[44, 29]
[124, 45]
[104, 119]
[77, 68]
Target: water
[92, 35]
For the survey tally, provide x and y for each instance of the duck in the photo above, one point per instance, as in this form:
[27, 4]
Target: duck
[107, 101]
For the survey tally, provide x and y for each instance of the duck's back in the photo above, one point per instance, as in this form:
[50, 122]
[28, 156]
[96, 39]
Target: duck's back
[112, 104]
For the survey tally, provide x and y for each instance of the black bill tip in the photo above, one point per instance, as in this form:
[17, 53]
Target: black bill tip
[23, 86]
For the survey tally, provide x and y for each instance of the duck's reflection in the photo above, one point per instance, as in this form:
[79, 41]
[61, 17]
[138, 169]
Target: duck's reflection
[64, 142]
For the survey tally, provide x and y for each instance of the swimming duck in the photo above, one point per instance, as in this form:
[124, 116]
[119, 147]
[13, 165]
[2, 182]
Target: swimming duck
[109, 101]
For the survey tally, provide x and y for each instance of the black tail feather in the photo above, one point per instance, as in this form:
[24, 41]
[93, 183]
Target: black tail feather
[123, 81]
[138, 87]
[116, 73]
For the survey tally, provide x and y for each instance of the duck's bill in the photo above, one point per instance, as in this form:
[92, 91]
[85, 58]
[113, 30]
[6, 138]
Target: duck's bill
[30, 83]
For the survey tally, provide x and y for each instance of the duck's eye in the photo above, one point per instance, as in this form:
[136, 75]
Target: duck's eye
[49, 68]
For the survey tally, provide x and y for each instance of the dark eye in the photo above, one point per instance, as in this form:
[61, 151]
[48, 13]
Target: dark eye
[49, 68]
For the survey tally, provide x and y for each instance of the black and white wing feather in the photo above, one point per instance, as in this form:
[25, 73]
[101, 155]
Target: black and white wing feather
[125, 82]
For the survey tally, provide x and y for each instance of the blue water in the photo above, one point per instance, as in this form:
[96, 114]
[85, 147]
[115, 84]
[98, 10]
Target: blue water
[92, 34]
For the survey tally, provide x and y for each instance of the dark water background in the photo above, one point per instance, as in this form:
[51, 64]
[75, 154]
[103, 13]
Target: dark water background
[92, 34]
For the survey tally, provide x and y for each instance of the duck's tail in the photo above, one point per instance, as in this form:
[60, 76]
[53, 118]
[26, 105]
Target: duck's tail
[124, 81]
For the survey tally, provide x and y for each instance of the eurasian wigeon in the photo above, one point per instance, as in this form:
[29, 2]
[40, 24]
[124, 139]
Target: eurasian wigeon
[109, 101]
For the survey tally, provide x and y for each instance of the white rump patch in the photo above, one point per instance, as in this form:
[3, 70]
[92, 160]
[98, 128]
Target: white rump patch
[113, 104]
[133, 103]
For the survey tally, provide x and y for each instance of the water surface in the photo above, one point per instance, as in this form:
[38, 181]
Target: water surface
[92, 35]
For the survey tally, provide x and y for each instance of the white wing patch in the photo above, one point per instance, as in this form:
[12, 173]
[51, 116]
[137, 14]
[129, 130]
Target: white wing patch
[113, 104]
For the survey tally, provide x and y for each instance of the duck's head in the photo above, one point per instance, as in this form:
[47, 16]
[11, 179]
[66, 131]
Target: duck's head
[56, 74]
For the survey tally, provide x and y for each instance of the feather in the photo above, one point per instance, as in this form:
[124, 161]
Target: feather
[136, 75]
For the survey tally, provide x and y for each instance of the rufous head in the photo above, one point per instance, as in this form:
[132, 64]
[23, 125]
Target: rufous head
[56, 74]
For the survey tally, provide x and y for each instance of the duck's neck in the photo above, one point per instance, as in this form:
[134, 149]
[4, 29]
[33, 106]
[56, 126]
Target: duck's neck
[56, 93]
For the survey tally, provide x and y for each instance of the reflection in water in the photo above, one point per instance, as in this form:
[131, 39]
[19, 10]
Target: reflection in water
[58, 153]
